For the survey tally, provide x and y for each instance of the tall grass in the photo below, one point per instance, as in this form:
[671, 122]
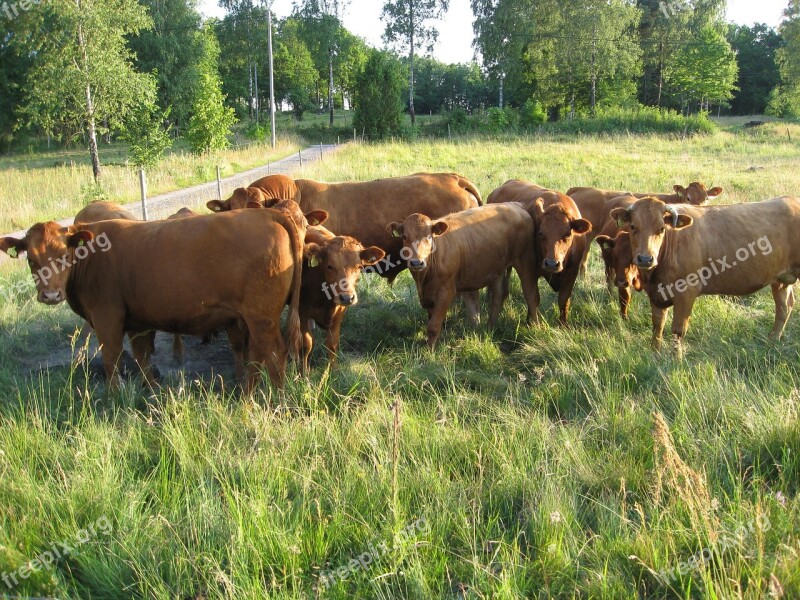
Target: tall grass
[543, 461]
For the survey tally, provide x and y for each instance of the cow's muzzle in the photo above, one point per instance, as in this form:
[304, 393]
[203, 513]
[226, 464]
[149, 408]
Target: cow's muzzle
[645, 262]
[346, 299]
[416, 264]
[51, 297]
[552, 266]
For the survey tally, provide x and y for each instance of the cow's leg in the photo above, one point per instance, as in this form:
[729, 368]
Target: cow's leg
[495, 300]
[110, 332]
[266, 347]
[332, 339]
[624, 301]
[564, 298]
[142, 344]
[237, 337]
[585, 258]
[178, 354]
[506, 285]
[682, 310]
[308, 343]
[784, 303]
[472, 304]
[438, 313]
[659, 316]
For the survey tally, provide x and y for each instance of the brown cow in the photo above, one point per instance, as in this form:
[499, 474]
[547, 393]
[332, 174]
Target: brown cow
[620, 273]
[329, 285]
[684, 252]
[465, 252]
[271, 187]
[192, 276]
[559, 240]
[594, 204]
[102, 211]
[362, 209]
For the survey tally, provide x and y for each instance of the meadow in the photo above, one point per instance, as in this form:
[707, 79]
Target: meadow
[524, 462]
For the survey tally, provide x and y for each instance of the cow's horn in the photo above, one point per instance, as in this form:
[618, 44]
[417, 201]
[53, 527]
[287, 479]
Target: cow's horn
[674, 212]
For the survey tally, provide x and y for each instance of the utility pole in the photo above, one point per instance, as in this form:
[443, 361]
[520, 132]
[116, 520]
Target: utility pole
[271, 77]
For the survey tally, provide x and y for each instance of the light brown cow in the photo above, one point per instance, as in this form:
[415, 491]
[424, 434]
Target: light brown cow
[102, 211]
[330, 275]
[559, 241]
[684, 252]
[594, 204]
[271, 187]
[192, 276]
[465, 252]
[362, 209]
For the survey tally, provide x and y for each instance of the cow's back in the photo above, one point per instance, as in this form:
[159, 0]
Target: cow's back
[102, 211]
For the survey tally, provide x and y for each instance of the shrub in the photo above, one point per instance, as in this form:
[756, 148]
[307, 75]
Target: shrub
[532, 114]
[378, 97]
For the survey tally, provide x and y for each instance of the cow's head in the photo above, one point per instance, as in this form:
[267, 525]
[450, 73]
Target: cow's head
[648, 220]
[617, 255]
[292, 209]
[341, 260]
[556, 228]
[238, 200]
[51, 252]
[417, 233]
[182, 214]
[696, 193]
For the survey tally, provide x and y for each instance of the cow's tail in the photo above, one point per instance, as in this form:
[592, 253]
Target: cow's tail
[293, 326]
[466, 184]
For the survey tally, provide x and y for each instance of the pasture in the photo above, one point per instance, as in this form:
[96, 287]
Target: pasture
[524, 462]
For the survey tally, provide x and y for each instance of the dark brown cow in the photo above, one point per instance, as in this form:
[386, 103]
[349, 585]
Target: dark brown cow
[684, 252]
[559, 241]
[620, 273]
[102, 211]
[594, 204]
[330, 276]
[271, 187]
[192, 276]
[465, 252]
[362, 209]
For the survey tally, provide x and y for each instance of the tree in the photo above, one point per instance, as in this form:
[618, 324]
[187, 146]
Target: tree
[406, 26]
[211, 120]
[144, 131]
[785, 100]
[295, 74]
[379, 89]
[82, 73]
[706, 70]
[755, 49]
[170, 50]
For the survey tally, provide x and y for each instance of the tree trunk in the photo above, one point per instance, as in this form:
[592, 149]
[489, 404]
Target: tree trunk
[502, 80]
[255, 90]
[593, 99]
[660, 74]
[330, 83]
[411, 64]
[250, 90]
[90, 115]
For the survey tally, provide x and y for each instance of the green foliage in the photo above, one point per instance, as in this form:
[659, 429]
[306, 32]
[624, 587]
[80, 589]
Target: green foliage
[379, 106]
[785, 99]
[211, 120]
[295, 74]
[755, 49]
[144, 131]
[532, 114]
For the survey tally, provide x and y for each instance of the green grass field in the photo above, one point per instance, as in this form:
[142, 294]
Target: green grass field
[526, 462]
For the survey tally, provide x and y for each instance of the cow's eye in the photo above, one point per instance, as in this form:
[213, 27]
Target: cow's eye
[31, 264]
[330, 267]
[633, 228]
[663, 229]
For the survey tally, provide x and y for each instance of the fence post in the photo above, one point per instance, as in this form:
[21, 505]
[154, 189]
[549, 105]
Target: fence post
[449, 137]
[143, 186]
[300, 154]
[355, 136]
[320, 150]
[219, 183]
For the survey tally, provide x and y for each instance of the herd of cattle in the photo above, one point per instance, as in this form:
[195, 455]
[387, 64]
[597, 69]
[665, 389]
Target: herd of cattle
[266, 247]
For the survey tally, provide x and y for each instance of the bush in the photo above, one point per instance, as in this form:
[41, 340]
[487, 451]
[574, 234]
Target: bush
[496, 120]
[378, 97]
[457, 120]
[532, 114]
[640, 120]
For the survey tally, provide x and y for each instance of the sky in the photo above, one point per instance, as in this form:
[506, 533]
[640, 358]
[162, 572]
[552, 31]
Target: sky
[455, 31]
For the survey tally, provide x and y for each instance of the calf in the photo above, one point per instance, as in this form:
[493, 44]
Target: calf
[620, 273]
[686, 252]
[191, 276]
[465, 252]
[330, 276]
[559, 240]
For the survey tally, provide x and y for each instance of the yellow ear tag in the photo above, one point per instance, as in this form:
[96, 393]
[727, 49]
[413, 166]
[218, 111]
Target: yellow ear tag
[313, 261]
[620, 223]
[396, 233]
[80, 243]
[12, 252]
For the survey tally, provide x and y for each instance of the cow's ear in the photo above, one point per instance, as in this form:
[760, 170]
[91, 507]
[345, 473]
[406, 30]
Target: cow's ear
[78, 238]
[216, 205]
[538, 209]
[680, 190]
[13, 246]
[605, 242]
[395, 229]
[621, 216]
[714, 192]
[316, 217]
[312, 252]
[683, 221]
[371, 255]
[580, 226]
[439, 228]
[253, 204]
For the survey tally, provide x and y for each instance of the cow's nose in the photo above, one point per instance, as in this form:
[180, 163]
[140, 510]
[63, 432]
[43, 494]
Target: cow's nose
[645, 261]
[551, 265]
[346, 299]
[416, 263]
[50, 297]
